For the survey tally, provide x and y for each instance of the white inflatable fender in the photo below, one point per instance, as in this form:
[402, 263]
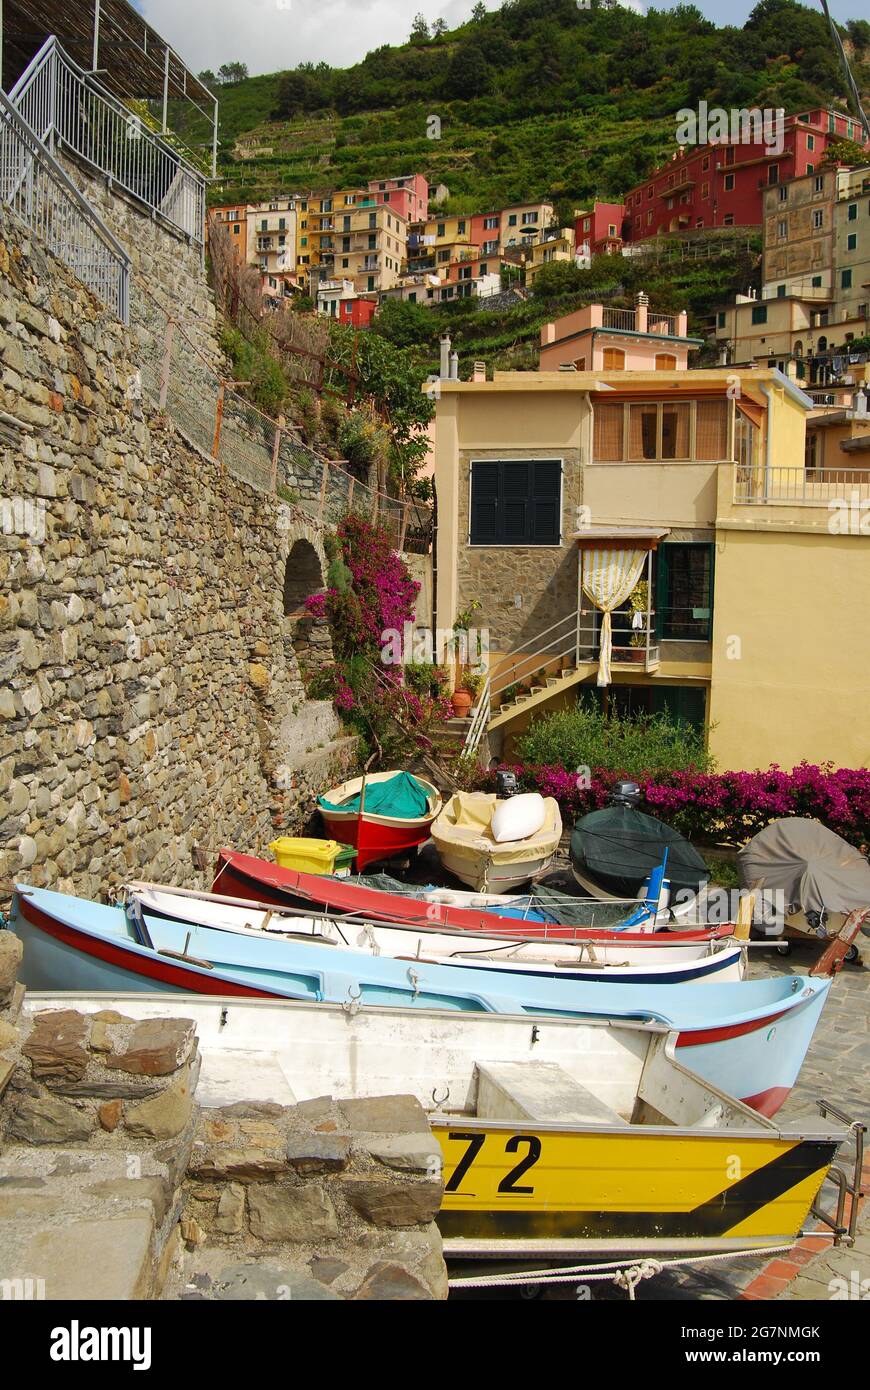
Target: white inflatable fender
[518, 817]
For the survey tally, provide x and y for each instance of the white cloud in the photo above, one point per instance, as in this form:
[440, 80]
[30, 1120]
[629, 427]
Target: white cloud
[270, 35]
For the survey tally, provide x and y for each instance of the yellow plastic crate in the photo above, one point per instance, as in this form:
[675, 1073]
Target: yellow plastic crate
[307, 856]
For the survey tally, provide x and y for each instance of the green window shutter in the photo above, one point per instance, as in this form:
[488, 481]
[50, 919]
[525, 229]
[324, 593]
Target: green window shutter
[662, 569]
[545, 502]
[516, 502]
[484, 503]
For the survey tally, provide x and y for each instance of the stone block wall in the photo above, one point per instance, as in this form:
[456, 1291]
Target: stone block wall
[325, 1199]
[145, 671]
[544, 576]
[115, 1185]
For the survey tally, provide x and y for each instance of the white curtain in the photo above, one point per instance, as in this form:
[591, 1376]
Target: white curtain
[607, 578]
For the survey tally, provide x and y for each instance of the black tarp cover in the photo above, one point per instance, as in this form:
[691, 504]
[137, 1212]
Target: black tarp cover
[812, 866]
[619, 847]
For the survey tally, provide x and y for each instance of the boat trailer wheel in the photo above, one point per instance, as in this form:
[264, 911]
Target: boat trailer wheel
[784, 948]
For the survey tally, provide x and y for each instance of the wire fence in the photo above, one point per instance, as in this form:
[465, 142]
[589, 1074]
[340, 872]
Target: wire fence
[267, 454]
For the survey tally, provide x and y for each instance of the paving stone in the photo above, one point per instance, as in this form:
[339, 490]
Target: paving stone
[156, 1047]
[101, 1260]
[155, 1190]
[280, 1213]
[318, 1153]
[165, 1115]
[49, 1121]
[385, 1115]
[386, 1203]
[327, 1270]
[56, 1047]
[259, 1282]
[387, 1281]
[241, 1165]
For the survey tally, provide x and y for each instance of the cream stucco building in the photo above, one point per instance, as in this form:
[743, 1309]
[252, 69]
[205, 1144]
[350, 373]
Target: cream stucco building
[753, 624]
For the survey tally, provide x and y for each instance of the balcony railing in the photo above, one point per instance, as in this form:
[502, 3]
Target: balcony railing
[35, 186]
[67, 107]
[809, 487]
[626, 319]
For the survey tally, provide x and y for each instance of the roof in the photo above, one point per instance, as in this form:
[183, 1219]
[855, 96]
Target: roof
[131, 55]
[688, 383]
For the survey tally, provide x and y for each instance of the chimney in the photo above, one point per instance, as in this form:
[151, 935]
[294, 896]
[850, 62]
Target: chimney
[479, 373]
[548, 334]
[641, 313]
[454, 367]
[445, 357]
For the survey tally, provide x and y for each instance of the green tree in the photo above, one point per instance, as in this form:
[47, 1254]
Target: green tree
[468, 75]
[419, 29]
[405, 324]
[478, 14]
[232, 72]
[439, 28]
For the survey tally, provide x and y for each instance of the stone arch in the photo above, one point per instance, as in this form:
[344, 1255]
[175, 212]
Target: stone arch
[304, 573]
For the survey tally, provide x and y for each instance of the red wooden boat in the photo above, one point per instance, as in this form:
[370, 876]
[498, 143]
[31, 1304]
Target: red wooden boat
[256, 880]
[378, 834]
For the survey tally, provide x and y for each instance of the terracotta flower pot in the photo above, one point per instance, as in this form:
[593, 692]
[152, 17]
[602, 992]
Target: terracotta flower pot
[462, 702]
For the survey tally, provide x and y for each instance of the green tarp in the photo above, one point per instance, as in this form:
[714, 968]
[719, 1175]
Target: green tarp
[401, 796]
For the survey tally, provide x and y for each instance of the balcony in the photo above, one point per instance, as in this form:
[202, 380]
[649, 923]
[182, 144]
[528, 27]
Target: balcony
[800, 487]
[635, 648]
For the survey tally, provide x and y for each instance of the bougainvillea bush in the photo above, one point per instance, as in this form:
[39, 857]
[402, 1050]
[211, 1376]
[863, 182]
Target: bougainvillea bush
[377, 595]
[716, 807]
[369, 593]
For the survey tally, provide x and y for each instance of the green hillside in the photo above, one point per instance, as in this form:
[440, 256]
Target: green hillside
[538, 99]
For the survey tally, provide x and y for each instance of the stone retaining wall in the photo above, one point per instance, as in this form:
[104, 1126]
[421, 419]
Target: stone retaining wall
[145, 671]
[114, 1185]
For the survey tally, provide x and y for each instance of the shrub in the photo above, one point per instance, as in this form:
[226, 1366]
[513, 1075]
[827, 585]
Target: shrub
[633, 746]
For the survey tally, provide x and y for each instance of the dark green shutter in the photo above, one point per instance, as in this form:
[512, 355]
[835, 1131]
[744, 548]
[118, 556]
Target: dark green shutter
[546, 499]
[484, 503]
[515, 501]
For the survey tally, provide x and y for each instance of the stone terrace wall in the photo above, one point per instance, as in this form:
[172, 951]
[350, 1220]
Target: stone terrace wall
[145, 663]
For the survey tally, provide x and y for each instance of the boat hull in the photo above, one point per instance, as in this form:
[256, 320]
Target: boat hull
[751, 1036]
[377, 837]
[258, 881]
[599, 1190]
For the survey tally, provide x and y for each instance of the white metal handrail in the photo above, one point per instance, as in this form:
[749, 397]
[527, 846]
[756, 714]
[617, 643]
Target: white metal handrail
[42, 194]
[561, 640]
[479, 721]
[67, 106]
[801, 486]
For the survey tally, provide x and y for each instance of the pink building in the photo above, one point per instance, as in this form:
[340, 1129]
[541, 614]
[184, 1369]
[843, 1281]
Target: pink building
[600, 339]
[408, 196]
[599, 228]
[486, 232]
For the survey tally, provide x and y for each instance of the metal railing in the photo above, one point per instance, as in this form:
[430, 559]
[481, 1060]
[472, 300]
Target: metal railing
[627, 319]
[34, 186]
[811, 487]
[67, 107]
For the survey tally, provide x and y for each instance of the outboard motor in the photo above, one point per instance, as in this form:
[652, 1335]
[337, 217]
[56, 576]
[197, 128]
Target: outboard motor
[625, 794]
[506, 785]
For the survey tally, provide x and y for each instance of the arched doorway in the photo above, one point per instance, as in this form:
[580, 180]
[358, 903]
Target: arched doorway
[303, 576]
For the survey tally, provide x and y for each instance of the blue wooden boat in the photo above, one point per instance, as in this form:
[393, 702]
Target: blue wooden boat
[748, 1038]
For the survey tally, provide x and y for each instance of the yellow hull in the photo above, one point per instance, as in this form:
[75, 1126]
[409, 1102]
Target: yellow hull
[509, 1188]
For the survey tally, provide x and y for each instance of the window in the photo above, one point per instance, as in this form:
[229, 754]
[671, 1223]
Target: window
[236, 229]
[728, 219]
[711, 431]
[773, 174]
[720, 319]
[684, 591]
[782, 228]
[642, 431]
[852, 212]
[818, 219]
[614, 360]
[783, 193]
[851, 241]
[516, 502]
[759, 313]
[816, 282]
[608, 443]
[845, 279]
[780, 291]
[675, 430]
[666, 362]
[729, 182]
[512, 220]
[819, 183]
[611, 230]
[705, 190]
[705, 162]
[811, 142]
[460, 229]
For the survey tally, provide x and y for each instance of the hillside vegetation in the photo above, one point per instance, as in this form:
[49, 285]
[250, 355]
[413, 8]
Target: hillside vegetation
[537, 99]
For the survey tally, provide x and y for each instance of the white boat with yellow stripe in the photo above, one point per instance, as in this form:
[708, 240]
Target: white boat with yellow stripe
[554, 1138]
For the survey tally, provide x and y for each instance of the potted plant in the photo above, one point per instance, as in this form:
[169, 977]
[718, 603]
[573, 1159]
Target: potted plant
[462, 698]
[638, 601]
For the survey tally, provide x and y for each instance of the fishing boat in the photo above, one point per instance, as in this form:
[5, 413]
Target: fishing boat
[468, 848]
[646, 963]
[557, 1139]
[614, 850]
[253, 879]
[382, 814]
[749, 1038]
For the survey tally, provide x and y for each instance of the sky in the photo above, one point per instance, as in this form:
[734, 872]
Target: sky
[270, 35]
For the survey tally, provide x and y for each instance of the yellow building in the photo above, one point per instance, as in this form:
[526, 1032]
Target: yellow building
[358, 239]
[756, 569]
[553, 246]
